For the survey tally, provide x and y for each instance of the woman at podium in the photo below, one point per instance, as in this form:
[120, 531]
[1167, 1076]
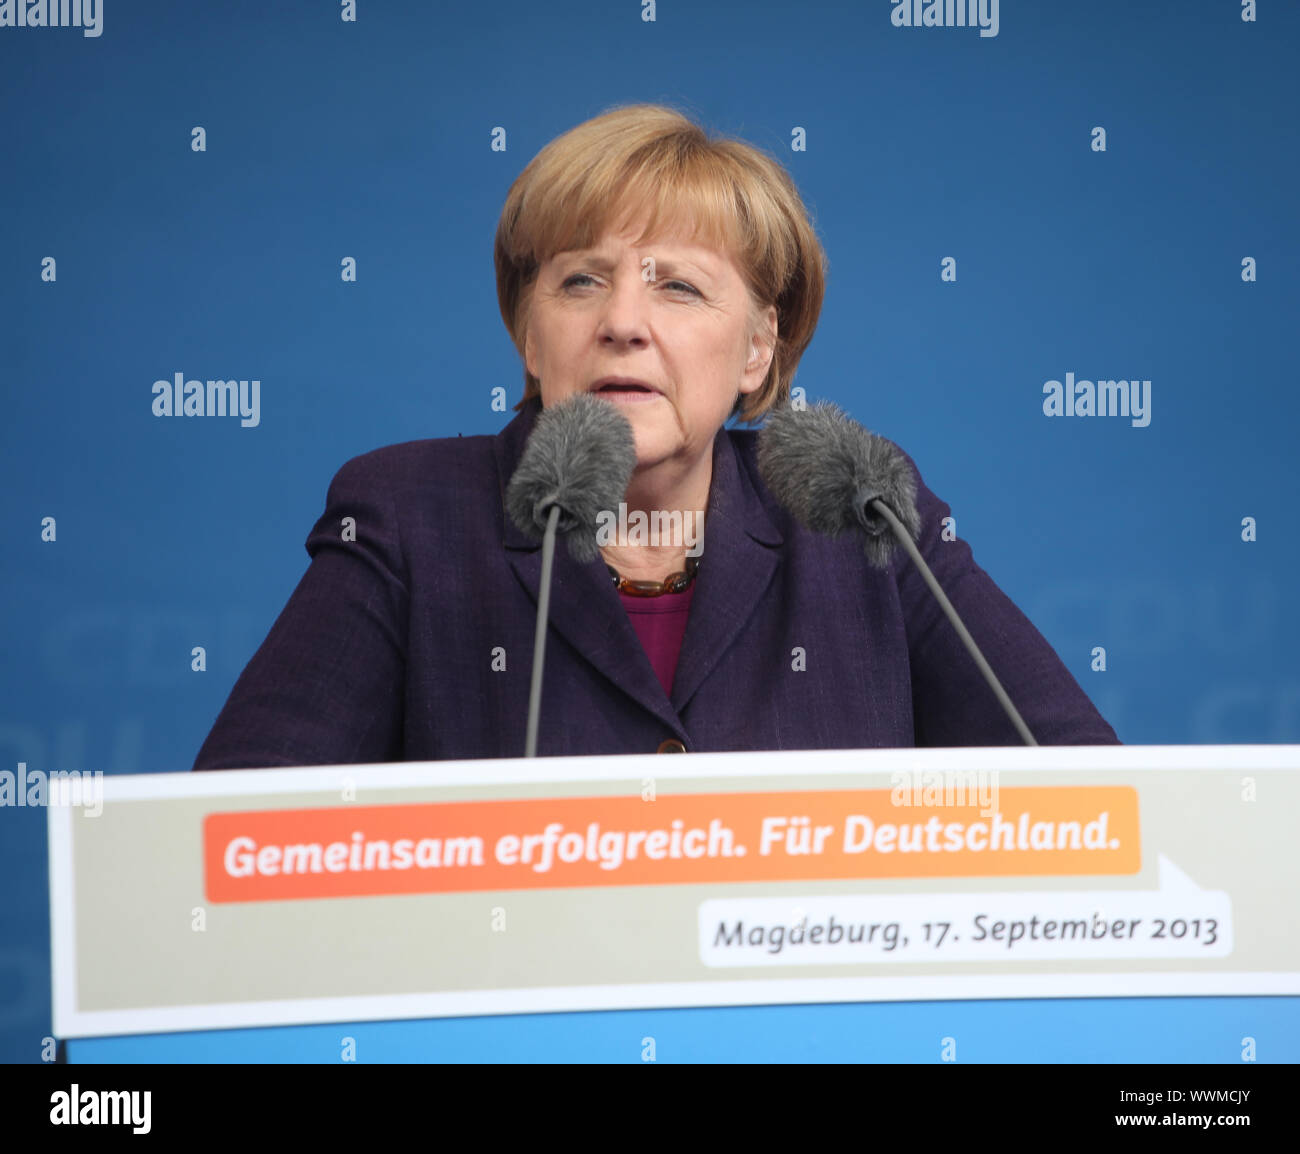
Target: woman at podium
[678, 278]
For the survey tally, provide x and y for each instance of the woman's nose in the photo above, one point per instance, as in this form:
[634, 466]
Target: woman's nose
[624, 317]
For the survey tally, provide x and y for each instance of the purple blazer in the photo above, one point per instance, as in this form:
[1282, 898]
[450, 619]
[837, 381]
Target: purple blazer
[414, 641]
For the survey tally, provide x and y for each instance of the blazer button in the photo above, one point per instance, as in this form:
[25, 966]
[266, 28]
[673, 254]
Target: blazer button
[672, 745]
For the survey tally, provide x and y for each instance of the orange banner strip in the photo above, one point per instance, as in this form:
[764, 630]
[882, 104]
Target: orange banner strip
[353, 851]
[681, 840]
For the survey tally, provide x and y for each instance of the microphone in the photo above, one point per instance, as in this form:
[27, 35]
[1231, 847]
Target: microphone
[577, 464]
[579, 460]
[833, 477]
[827, 470]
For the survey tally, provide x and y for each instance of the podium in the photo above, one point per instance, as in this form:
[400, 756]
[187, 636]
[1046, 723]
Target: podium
[1113, 903]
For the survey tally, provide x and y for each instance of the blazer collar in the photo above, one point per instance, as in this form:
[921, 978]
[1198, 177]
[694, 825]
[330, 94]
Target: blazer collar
[741, 552]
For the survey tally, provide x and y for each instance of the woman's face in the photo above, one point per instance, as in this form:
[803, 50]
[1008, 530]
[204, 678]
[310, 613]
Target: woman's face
[671, 315]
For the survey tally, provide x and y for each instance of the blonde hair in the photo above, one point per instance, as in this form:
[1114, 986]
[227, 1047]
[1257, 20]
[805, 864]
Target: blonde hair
[734, 197]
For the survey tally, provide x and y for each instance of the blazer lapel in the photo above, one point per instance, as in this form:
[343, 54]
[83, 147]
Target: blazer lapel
[741, 552]
[739, 560]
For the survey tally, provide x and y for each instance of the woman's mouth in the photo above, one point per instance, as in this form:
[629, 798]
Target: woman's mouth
[626, 392]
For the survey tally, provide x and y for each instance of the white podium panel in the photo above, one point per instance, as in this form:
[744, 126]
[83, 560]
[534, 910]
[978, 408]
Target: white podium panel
[417, 890]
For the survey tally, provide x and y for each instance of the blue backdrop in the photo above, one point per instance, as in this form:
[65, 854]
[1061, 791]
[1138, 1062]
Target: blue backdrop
[1161, 257]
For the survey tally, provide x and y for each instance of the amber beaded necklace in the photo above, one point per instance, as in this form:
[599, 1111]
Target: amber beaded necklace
[674, 583]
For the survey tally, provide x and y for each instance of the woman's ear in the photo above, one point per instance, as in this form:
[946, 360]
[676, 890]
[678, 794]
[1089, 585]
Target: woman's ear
[762, 346]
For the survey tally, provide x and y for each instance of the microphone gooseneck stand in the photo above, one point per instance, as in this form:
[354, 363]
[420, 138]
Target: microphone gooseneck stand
[539, 637]
[967, 640]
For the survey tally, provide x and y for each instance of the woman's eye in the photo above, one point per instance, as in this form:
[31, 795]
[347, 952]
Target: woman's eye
[675, 285]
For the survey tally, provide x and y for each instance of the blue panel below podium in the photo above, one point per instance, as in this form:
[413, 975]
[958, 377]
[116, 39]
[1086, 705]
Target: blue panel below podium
[1143, 1030]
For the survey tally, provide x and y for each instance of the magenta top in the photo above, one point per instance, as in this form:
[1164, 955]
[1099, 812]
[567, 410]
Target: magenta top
[660, 622]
